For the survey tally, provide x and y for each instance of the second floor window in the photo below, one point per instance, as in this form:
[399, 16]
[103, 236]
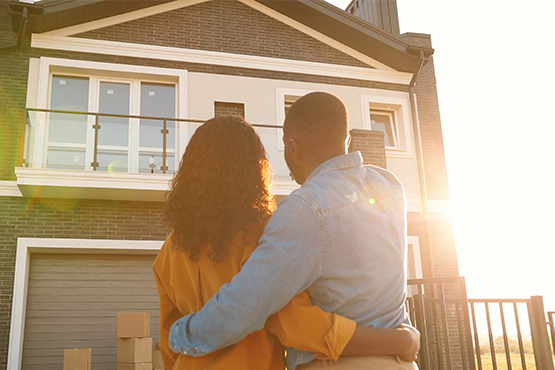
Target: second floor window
[114, 143]
[383, 120]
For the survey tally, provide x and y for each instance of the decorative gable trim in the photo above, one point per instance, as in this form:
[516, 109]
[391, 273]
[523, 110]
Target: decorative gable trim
[317, 35]
[110, 21]
[122, 18]
[216, 58]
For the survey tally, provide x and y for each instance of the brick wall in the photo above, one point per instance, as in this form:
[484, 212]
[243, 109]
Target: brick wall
[222, 108]
[370, 144]
[443, 243]
[13, 87]
[443, 239]
[67, 218]
[430, 123]
[226, 26]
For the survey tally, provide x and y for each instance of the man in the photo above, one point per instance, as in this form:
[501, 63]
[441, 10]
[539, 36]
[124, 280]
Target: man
[341, 237]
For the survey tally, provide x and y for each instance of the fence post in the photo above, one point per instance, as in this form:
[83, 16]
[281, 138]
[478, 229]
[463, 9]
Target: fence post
[540, 337]
[467, 328]
[551, 328]
[421, 325]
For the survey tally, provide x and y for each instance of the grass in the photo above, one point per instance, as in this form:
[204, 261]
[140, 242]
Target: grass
[487, 363]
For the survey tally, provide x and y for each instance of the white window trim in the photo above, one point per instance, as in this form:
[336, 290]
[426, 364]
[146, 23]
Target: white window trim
[393, 120]
[76, 44]
[399, 103]
[26, 246]
[415, 242]
[281, 92]
[48, 66]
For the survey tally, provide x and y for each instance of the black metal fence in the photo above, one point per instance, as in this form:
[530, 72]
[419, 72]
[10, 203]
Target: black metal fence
[440, 312]
[461, 333]
[516, 318]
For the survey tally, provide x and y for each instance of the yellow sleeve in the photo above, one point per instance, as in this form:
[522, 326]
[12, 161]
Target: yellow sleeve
[307, 328]
[168, 315]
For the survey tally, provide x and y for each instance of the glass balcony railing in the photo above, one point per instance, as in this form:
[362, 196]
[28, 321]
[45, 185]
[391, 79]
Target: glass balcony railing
[88, 141]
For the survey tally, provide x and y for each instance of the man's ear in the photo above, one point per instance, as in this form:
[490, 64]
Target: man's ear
[295, 148]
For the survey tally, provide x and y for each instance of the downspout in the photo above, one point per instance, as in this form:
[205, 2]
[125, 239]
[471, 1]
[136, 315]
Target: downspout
[21, 33]
[420, 164]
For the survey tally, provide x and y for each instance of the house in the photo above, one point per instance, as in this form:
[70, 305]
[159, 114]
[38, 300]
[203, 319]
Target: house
[98, 101]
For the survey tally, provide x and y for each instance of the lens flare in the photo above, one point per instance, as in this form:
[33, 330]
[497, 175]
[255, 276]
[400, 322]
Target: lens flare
[116, 166]
[372, 201]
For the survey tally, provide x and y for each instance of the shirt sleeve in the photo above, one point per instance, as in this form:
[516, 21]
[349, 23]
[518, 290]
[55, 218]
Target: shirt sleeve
[286, 262]
[168, 315]
[307, 328]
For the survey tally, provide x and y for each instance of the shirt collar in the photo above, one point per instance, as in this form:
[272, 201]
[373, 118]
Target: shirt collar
[353, 159]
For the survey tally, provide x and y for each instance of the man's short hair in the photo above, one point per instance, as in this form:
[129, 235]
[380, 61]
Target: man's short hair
[319, 115]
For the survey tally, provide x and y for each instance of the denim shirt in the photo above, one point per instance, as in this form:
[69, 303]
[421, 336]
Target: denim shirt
[341, 237]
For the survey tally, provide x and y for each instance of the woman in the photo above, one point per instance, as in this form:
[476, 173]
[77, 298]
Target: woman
[218, 206]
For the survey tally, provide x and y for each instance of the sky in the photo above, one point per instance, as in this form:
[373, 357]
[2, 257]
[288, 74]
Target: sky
[494, 63]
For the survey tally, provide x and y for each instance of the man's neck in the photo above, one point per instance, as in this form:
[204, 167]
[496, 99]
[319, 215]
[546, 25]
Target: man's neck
[316, 160]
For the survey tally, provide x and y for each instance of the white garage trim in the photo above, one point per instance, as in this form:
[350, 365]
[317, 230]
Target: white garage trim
[26, 246]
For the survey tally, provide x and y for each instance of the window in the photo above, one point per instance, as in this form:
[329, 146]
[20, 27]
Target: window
[382, 120]
[118, 143]
[289, 100]
[389, 112]
[109, 117]
[285, 99]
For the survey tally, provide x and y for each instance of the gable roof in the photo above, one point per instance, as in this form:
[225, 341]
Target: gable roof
[319, 15]
[351, 31]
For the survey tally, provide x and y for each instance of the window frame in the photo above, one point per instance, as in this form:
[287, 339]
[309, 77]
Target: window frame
[39, 96]
[392, 124]
[281, 94]
[398, 104]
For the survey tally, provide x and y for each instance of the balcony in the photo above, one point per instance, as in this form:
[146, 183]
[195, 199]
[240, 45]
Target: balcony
[75, 154]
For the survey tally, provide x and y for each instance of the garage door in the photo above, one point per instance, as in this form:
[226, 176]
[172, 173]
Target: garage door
[73, 300]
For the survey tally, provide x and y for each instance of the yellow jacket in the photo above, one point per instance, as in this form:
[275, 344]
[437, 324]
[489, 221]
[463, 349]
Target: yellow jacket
[185, 285]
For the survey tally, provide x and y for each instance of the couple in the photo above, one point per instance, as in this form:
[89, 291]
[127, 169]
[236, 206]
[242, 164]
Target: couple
[338, 243]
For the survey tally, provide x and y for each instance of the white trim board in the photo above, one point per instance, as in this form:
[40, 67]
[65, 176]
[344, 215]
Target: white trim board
[216, 58]
[138, 14]
[53, 183]
[9, 189]
[41, 245]
[121, 18]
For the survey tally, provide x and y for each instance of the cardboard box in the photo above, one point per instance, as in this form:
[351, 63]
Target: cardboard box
[157, 359]
[134, 350]
[133, 325]
[137, 366]
[77, 359]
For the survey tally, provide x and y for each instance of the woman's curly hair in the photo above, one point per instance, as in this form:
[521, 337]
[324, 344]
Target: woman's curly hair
[222, 186]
